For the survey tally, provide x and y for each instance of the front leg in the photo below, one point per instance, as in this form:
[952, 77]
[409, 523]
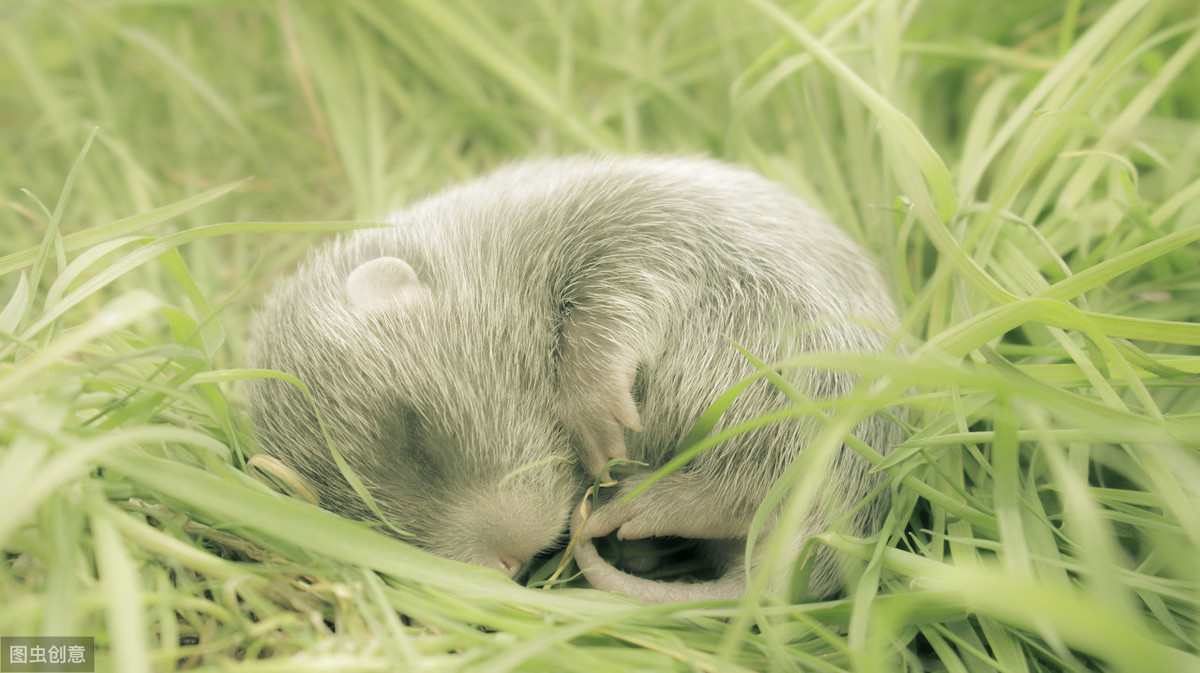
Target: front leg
[595, 383]
[616, 288]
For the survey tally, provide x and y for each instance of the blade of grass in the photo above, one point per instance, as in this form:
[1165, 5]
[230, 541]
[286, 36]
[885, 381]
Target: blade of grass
[122, 592]
[901, 129]
[51, 237]
[123, 227]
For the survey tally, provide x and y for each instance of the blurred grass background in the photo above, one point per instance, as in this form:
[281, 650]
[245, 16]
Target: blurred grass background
[1028, 174]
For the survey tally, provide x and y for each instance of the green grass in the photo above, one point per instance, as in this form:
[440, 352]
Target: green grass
[1029, 177]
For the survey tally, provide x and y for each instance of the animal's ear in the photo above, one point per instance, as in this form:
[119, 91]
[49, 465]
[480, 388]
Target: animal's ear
[383, 283]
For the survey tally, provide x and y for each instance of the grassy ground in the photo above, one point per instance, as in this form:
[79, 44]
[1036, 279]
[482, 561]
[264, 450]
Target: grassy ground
[1029, 176]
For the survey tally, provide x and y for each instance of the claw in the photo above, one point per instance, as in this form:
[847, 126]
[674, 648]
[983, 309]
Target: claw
[598, 405]
[624, 409]
[599, 432]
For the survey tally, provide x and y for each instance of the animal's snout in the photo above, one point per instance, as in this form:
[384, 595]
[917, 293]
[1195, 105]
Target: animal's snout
[509, 566]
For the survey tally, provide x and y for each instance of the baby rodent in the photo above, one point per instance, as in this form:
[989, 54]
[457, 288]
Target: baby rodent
[582, 308]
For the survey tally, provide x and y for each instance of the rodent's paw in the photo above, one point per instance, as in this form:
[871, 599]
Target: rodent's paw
[675, 506]
[643, 517]
[648, 522]
[643, 526]
[603, 520]
[596, 415]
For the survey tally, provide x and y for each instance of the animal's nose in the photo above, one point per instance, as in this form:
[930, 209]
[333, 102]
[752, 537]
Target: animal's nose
[509, 566]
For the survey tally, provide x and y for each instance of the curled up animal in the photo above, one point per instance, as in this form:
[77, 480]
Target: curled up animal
[481, 359]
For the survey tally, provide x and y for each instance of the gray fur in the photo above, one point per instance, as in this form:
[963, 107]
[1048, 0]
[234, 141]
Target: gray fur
[572, 307]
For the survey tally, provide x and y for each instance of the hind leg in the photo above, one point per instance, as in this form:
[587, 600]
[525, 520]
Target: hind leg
[678, 505]
[587, 525]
